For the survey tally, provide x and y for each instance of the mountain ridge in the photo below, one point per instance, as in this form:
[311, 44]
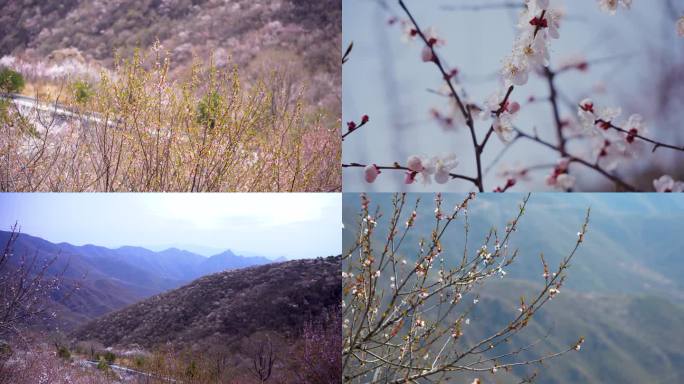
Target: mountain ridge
[226, 306]
[109, 279]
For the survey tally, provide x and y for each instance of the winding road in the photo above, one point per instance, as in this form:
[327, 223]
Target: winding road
[127, 371]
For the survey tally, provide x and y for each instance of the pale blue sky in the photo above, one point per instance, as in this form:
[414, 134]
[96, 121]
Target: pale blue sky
[295, 225]
[386, 79]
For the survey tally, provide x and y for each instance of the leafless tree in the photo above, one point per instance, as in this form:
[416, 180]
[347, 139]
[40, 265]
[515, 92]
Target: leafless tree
[405, 319]
[25, 287]
[263, 359]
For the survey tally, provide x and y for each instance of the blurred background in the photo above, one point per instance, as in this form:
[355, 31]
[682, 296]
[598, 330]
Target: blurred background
[634, 61]
[624, 290]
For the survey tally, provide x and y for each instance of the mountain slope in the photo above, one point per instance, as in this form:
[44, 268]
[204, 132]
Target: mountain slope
[629, 339]
[110, 279]
[226, 306]
[300, 36]
[627, 251]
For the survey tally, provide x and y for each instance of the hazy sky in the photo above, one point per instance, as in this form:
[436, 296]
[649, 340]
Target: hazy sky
[607, 207]
[624, 228]
[278, 224]
[386, 79]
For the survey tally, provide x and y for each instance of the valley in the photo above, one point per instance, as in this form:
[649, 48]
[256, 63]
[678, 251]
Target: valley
[623, 293]
[212, 326]
[109, 279]
[133, 315]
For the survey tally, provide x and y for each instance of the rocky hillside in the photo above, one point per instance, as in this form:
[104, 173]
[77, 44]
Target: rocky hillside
[298, 36]
[226, 306]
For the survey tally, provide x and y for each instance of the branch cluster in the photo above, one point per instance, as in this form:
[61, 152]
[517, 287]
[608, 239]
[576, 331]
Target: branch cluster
[406, 317]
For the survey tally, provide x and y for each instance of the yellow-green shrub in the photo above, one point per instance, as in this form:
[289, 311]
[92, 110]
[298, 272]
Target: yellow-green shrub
[140, 132]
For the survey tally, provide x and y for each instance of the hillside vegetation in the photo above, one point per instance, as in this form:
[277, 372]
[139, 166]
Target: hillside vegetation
[250, 32]
[225, 307]
[172, 96]
[110, 279]
[137, 130]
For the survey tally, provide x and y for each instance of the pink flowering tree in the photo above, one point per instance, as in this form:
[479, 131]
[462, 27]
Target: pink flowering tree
[407, 313]
[585, 136]
[318, 360]
[26, 285]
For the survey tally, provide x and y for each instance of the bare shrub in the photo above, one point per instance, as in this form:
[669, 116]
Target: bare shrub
[138, 131]
[262, 358]
[41, 365]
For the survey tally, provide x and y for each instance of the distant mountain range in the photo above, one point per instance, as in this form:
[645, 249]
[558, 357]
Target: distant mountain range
[224, 307]
[631, 248]
[110, 279]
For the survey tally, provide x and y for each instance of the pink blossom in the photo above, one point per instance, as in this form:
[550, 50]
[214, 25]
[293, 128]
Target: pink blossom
[371, 173]
[503, 127]
[426, 54]
[437, 166]
[610, 149]
[635, 127]
[409, 31]
[503, 114]
[415, 164]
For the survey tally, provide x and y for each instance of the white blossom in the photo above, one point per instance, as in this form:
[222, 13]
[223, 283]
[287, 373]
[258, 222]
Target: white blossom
[610, 149]
[515, 70]
[611, 6]
[503, 127]
[437, 166]
[666, 183]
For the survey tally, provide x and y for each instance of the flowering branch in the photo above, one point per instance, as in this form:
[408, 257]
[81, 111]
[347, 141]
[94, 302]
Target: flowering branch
[574, 159]
[432, 55]
[405, 315]
[398, 167]
[26, 285]
[632, 134]
[612, 143]
[503, 106]
[352, 126]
